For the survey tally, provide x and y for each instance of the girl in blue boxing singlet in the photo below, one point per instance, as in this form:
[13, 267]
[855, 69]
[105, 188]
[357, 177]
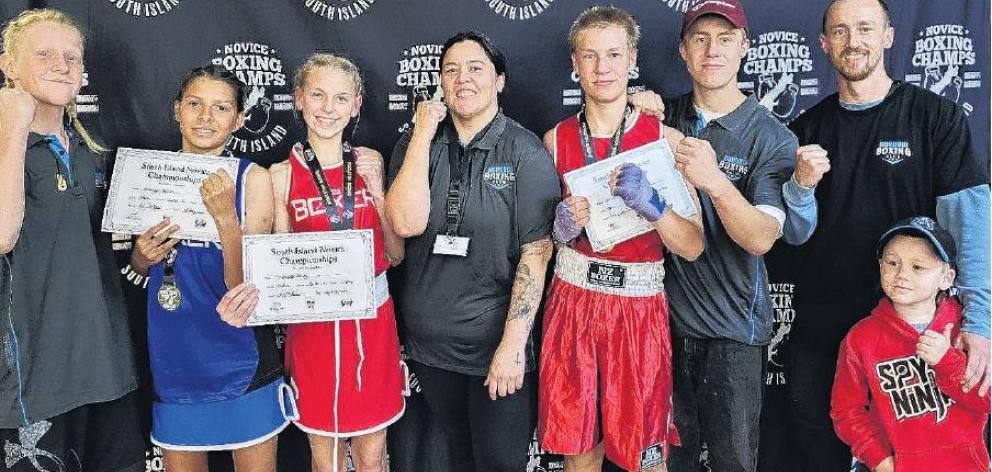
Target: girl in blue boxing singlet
[217, 387]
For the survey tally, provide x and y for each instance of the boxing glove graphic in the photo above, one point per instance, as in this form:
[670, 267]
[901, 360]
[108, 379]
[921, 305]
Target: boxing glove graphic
[259, 107]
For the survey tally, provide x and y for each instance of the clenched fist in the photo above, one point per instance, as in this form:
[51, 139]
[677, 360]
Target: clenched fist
[696, 159]
[811, 163]
[369, 166]
[218, 193]
[16, 109]
[429, 114]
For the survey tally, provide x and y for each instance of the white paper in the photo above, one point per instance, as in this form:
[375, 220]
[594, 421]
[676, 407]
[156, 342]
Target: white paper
[305, 277]
[148, 186]
[611, 221]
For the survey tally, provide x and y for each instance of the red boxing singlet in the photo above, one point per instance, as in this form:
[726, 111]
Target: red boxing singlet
[569, 156]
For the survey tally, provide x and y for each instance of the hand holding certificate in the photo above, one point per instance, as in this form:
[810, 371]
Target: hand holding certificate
[149, 186]
[611, 221]
[305, 277]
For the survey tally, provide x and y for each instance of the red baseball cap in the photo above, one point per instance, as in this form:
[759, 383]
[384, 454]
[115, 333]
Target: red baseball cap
[731, 10]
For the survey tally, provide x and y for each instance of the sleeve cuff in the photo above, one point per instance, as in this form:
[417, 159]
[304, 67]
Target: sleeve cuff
[874, 455]
[797, 195]
[773, 212]
[974, 322]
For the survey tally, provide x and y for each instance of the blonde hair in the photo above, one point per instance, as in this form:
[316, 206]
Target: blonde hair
[601, 17]
[12, 34]
[324, 59]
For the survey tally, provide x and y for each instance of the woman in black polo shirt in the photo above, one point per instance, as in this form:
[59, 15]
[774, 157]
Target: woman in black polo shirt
[474, 196]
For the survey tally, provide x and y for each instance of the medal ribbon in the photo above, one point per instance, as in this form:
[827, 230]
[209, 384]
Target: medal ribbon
[340, 220]
[587, 148]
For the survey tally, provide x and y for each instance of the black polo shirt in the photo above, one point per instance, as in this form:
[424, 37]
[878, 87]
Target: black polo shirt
[723, 294]
[66, 341]
[453, 309]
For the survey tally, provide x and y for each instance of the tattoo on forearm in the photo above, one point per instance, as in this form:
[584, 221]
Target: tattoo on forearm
[526, 294]
[537, 248]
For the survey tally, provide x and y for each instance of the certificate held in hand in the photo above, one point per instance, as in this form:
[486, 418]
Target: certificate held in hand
[307, 277]
[148, 186]
[611, 221]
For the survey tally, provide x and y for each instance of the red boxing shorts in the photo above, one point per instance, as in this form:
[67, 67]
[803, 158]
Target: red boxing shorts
[607, 353]
[347, 374]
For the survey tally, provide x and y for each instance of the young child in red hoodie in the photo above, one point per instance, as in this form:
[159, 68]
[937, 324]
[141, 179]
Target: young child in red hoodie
[897, 397]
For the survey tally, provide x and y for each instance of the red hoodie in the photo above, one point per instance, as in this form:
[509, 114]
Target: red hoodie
[887, 402]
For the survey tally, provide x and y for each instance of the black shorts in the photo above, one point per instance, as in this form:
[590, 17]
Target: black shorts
[96, 437]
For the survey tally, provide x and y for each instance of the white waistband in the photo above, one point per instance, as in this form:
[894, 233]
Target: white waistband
[632, 279]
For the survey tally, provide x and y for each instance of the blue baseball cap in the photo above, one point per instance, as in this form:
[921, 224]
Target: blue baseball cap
[926, 228]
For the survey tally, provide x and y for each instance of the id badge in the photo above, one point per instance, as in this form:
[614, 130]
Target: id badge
[450, 245]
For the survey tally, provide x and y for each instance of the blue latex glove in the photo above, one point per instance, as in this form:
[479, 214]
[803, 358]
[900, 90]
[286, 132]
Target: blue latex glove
[632, 186]
[565, 228]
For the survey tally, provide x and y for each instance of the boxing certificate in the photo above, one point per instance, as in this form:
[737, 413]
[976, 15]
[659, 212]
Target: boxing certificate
[148, 186]
[304, 277]
[611, 221]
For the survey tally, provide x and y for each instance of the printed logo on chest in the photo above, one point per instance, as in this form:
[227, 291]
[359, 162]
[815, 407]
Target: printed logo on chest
[893, 152]
[499, 176]
[911, 386]
[734, 167]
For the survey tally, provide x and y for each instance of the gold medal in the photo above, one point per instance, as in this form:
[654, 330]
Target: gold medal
[169, 296]
[60, 183]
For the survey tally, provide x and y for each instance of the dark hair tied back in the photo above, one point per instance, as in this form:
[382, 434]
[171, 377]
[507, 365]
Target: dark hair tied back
[492, 52]
[220, 74]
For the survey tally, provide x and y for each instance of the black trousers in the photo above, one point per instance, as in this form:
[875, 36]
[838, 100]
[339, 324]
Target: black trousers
[718, 388]
[96, 437]
[810, 374]
[483, 434]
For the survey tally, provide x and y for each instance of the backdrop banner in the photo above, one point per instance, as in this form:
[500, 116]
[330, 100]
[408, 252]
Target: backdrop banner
[137, 52]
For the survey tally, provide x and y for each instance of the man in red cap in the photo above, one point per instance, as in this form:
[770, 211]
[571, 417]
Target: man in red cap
[739, 158]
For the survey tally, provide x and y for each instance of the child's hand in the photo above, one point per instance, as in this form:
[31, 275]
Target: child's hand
[887, 465]
[933, 345]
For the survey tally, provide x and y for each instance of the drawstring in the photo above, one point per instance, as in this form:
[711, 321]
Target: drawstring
[406, 379]
[337, 387]
[287, 396]
[361, 353]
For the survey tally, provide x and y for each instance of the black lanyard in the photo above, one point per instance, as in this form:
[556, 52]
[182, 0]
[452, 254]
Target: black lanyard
[169, 266]
[346, 219]
[587, 148]
[458, 186]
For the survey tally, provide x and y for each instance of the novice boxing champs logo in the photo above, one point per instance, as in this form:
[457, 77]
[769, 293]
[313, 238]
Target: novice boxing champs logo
[87, 102]
[418, 76]
[778, 70]
[146, 8]
[783, 316]
[911, 386]
[338, 10]
[893, 152]
[258, 66]
[518, 9]
[944, 62]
